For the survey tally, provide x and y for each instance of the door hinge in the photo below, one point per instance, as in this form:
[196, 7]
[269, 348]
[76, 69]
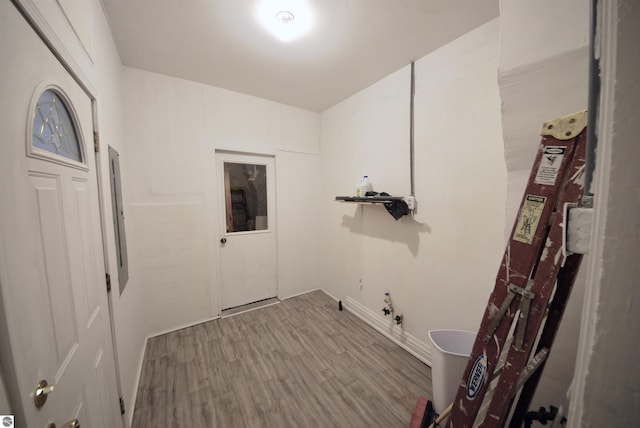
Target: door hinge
[108, 278]
[121, 406]
[96, 142]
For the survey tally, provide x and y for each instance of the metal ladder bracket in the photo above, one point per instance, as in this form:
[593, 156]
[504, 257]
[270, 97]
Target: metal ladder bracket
[527, 296]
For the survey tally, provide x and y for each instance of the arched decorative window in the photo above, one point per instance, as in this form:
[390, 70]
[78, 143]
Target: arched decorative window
[54, 128]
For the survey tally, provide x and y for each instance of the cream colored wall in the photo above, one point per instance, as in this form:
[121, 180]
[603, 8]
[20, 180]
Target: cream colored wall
[542, 73]
[172, 130]
[440, 266]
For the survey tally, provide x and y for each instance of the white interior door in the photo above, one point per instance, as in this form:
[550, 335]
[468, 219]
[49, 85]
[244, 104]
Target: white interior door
[52, 277]
[247, 228]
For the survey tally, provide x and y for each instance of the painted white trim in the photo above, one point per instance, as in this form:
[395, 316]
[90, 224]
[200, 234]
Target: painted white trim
[389, 329]
[53, 42]
[132, 404]
[245, 151]
[182, 326]
[307, 292]
[607, 35]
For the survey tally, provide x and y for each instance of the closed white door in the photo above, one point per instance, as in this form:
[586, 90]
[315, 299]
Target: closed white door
[52, 275]
[247, 230]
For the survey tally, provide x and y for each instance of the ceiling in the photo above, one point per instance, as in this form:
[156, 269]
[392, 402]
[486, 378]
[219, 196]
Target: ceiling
[353, 43]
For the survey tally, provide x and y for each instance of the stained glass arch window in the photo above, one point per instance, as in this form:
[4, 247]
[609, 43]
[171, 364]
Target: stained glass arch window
[54, 128]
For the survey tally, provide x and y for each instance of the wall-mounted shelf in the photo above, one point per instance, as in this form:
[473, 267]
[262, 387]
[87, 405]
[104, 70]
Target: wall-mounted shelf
[396, 205]
[369, 199]
[409, 200]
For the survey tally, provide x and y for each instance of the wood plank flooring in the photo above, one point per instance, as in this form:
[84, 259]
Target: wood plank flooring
[299, 363]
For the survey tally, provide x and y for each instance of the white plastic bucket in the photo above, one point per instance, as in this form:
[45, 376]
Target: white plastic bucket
[451, 350]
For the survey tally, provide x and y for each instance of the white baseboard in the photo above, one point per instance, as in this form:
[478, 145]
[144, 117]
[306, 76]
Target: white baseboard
[134, 396]
[182, 326]
[385, 325]
[329, 294]
[301, 293]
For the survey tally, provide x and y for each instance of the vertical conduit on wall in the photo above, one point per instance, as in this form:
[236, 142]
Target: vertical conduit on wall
[593, 102]
[411, 126]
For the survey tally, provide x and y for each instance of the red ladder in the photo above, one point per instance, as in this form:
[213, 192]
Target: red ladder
[534, 268]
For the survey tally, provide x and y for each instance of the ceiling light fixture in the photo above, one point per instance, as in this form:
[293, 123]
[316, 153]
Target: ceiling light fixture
[293, 18]
[284, 17]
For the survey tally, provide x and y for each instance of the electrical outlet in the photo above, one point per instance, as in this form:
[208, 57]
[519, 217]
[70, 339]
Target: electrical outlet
[360, 284]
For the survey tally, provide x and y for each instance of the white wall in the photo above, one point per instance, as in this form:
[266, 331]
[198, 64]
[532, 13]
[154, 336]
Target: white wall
[439, 267]
[173, 128]
[607, 373]
[543, 74]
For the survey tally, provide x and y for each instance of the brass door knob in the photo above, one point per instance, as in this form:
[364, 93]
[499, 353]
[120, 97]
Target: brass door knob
[42, 390]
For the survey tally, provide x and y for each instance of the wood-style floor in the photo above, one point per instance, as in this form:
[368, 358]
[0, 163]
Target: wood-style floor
[299, 363]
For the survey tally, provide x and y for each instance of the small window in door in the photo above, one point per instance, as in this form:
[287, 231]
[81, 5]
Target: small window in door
[54, 129]
[245, 188]
[56, 135]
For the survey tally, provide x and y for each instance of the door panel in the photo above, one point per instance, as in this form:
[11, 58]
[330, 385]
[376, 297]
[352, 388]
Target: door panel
[248, 228]
[59, 295]
[52, 274]
[89, 260]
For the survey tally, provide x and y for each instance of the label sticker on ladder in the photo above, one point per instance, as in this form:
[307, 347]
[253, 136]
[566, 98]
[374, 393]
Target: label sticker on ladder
[550, 165]
[477, 376]
[529, 218]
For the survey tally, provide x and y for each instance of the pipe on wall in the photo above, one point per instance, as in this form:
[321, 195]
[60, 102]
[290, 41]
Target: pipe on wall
[411, 127]
[593, 102]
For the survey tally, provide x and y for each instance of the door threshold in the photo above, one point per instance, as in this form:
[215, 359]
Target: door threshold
[249, 307]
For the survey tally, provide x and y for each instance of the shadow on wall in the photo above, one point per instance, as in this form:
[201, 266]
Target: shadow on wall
[405, 230]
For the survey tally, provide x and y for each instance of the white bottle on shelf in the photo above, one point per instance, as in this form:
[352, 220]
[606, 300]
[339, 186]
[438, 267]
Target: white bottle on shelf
[363, 186]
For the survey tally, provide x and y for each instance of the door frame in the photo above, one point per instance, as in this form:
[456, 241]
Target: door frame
[218, 207]
[36, 21]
